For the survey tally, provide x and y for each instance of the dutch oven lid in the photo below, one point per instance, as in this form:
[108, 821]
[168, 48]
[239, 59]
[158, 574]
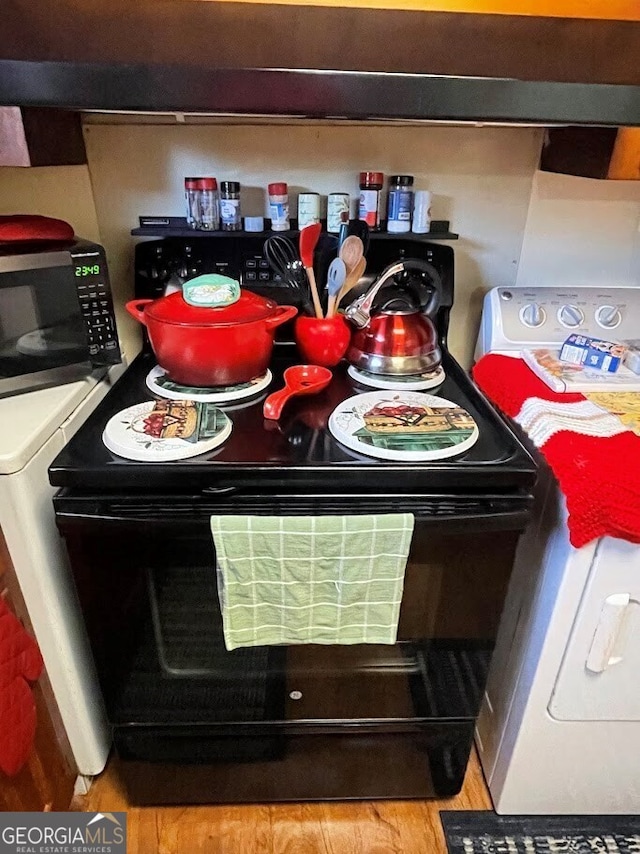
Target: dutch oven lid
[248, 308]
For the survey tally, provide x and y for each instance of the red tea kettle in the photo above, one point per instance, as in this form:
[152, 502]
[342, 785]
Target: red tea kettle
[400, 338]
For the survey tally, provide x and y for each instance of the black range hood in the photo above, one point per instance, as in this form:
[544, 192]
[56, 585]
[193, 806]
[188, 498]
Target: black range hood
[320, 62]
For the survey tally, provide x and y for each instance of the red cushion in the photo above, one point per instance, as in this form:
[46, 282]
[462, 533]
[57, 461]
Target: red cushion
[20, 660]
[20, 228]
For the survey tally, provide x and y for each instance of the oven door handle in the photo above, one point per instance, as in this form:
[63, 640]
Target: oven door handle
[219, 490]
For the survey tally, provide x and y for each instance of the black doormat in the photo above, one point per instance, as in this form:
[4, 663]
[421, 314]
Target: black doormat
[488, 833]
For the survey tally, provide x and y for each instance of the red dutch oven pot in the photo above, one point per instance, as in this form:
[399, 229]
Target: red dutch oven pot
[203, 346]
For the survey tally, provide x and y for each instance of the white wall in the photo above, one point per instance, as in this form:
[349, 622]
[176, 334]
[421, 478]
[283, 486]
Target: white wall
[517, 225]
[581, 231]
[481, 178]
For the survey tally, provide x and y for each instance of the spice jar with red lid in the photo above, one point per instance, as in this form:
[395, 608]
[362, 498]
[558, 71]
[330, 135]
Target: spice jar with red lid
[371, 184]
[192, 198]
[209, 204]
[279, 206]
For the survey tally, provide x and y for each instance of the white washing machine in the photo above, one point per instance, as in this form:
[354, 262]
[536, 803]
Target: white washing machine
[559, 729]
[34, 427]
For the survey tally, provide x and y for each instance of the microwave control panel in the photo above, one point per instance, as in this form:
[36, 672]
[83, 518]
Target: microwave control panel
[96, 305]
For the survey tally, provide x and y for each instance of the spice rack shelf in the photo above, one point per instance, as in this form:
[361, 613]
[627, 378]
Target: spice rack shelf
[176, 226]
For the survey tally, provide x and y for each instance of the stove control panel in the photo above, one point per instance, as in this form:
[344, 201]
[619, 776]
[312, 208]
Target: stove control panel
[522, 318]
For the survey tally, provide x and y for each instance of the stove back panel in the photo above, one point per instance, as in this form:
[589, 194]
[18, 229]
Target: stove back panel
[159, 262]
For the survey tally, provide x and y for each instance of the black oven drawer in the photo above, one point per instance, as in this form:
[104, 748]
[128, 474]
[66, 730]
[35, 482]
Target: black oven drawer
[171, 765]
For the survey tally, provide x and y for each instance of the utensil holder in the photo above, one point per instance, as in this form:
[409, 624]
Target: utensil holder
[322, 340]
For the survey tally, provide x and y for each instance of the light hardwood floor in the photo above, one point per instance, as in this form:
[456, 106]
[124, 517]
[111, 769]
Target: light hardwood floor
[358, 827]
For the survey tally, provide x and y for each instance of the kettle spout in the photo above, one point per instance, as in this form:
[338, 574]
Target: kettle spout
[359, 317]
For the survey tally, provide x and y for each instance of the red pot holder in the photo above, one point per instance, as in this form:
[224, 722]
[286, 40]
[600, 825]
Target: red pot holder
[21, 228]
[20, 660]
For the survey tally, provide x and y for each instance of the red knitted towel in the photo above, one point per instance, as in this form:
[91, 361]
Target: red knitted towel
[595, 459]
[20, 660]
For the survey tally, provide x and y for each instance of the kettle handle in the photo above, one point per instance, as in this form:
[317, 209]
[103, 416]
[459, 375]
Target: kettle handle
[436, 294]
[359, 312]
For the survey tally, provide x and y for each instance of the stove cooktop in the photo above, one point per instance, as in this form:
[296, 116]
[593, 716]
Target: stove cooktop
[298, 453]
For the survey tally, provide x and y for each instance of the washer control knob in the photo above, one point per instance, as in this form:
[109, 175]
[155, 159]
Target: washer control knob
[608, 316]
[570, 316]
[532, 315]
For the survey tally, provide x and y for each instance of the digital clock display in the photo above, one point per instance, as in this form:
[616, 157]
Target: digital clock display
[88, 270]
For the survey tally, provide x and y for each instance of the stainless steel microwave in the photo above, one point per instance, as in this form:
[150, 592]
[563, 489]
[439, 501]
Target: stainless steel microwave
[57, 322]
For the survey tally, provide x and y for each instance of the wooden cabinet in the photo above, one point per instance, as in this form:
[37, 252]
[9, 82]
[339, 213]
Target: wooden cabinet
[625, 157]
[34, 136]
[46, 781]
[593, 152]
[414, 57]
[620, 10]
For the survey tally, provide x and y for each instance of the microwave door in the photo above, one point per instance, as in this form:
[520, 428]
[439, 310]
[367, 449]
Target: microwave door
[42, 337]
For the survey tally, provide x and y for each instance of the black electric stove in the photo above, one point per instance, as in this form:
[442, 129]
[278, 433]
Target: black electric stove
[193, 722]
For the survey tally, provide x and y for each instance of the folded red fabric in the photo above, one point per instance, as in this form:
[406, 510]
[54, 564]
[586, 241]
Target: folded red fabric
[23, 228]
[599, 475]
[20, 660]
[508, 382]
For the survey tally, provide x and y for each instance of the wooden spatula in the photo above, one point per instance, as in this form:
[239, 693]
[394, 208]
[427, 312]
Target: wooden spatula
[309, 237]
[351, 252]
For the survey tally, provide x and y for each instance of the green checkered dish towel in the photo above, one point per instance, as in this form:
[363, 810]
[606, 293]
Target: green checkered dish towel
[311, 579]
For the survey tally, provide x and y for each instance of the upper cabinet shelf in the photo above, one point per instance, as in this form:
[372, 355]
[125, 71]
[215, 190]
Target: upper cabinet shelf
[409, 62]
[40, 137]
[176, 226]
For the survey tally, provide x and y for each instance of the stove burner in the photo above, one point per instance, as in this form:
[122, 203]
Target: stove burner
[405, 425]
[159, 383]
[160, 430]
[414, 382]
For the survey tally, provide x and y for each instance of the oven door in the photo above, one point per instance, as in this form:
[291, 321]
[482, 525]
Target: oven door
[42, 330]
[146, 578]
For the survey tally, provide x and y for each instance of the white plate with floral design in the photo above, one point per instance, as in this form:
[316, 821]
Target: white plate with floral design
[164, 430]
[403, 425]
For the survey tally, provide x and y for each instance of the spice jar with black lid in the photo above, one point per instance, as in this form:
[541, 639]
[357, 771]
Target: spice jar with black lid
[371, 184]
[230, 216]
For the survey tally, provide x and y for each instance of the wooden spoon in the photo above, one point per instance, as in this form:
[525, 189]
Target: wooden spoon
[351, 252]
[352, 280]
